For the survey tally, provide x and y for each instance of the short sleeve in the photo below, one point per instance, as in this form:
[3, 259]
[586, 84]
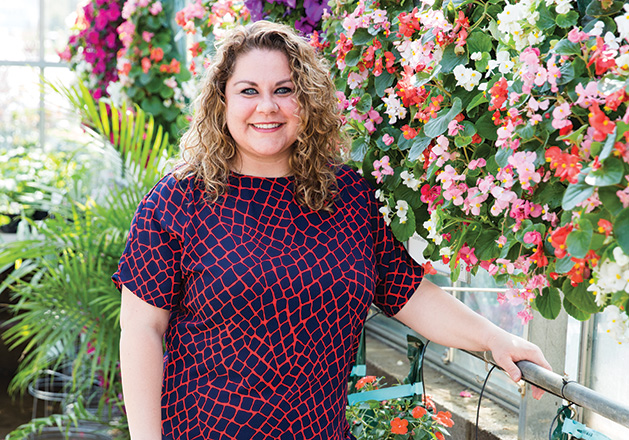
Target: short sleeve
[150, 265]
[398, 275]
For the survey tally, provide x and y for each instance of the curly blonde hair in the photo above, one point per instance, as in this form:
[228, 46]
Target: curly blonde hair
[207, 147]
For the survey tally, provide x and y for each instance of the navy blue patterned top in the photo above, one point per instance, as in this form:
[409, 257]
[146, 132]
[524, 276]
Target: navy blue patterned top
[267, 301]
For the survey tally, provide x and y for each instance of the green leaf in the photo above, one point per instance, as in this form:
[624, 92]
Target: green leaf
[353, 57]
[364, 105]
[573, 136]
[609, 145]
[359, 148]
[567, 73]
[474, 231]
[502, 156]
[575, 194]
[580, 297]
[610, 173]
[595, 8]
[564, 265]
[486, 128]
[361, 36]
[403, 231]
[462, 141]
[439, 125]
[479, 41]
[550, 195]
[476, 101]
[546, 19]
[486, 247]
[621, 230]
[450, 59]
[382, 82]
[570, 19]
[575, 312]
[578, 241]
[420, 143]
[610, 200]
[548, 303]
[567, 47]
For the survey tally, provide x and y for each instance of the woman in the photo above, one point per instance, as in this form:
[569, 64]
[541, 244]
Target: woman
[258, 258]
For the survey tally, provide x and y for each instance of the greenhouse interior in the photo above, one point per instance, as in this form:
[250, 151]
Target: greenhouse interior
[494, 132]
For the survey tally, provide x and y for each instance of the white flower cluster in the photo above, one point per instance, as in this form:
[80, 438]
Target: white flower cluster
[622, 21]
[433, 228]
[394, 108]
[408, 179]
[610, 277]
[617, 325]
[466, 77]
[518, 22]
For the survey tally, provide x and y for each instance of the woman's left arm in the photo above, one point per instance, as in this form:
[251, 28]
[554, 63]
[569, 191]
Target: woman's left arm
[443, 319]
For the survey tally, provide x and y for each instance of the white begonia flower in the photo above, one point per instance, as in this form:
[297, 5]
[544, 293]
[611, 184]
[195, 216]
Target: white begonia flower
[597, 30]
[611, 41]
[409, 180]
[394, 108]
[563, 6]
[617, 324]
[445, 251]
[535, 38]
[601, 297]
[386, 213]
[476, 56]
[466, 77]
[622, 63]
[503, 62]
[401, 208]
[431, 227]
[610, 277]
[622, 22]
[380, 196]
[114, 90]
[620, 256]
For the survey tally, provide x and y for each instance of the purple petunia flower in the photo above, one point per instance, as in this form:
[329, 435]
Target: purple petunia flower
[255, 9]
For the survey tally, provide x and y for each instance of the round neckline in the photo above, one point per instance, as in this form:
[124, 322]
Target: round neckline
[250, 176]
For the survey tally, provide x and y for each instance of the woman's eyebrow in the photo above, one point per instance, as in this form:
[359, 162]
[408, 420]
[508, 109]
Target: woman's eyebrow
[252, 83]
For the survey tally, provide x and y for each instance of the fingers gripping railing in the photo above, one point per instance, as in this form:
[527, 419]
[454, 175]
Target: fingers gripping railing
[569, 390]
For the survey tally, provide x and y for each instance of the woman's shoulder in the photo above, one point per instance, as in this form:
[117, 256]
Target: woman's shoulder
[172, 190]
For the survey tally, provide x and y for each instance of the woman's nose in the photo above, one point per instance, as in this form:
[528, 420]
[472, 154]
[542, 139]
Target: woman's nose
[267, 104]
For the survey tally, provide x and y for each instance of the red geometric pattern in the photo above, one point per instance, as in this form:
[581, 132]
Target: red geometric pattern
[267, 302]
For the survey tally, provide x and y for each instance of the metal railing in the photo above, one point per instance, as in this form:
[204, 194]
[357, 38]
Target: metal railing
[567, 389]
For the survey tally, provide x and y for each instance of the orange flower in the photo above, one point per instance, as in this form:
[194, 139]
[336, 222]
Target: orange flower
[146, 65]
[399, 426]
[605, 227]
[419, 412]
[364, 381]
[445, 418]
[157, 54]
[173, 67]
[196, 49]
[439, 436]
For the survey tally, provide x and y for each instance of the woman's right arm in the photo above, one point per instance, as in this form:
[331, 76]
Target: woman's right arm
[141, 362]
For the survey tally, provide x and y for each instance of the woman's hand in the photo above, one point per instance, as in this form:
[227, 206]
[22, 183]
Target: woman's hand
[508, 349]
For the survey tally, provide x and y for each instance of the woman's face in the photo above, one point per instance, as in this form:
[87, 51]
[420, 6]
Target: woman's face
[262, 113]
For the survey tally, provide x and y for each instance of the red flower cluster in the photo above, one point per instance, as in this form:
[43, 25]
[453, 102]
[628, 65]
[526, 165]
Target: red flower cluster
[558, 240]
[567, 166]
[409, 23]
[601, 123]
[499, 94]
[364, 381]
[399, 426]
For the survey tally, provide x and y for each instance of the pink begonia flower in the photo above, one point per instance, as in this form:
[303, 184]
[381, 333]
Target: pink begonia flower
[591, 203]
[387, 139]
[454, 127]
[379, 173]
[507, 265]
[541, 76]
[374, 116]
[379, 16]
[474, 201]
[343, 102]
[142, 3]
[147, 36]
[356, 116]
[475, 163]
[486, 183]
[588, 95]
[625, 118]
[504, 134]
[369, 126]
[524, 164]
[505, 176]
[128, 9]
[560, 115]
[623, 195]
[156, 8]
[354, 80]
[525, 315]
[532, 237]
[170, 82]
[126, 31]
[502, 240]
[350, 24]
[554, 73]
[467, 255]
[449, 177]
[577, 36]
[530, 56]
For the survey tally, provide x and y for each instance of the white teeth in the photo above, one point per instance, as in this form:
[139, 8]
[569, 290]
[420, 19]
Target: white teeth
[266, 125]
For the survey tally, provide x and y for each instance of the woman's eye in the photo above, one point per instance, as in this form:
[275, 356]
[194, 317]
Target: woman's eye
[284, 91]
[249, 91]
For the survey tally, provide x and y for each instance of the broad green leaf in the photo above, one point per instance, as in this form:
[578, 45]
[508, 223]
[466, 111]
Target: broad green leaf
[621, 230]
[439, 125]
[550, 195]
[567, 47]
[573, 136]
[479, 41]
[450, 59]
[610, 200]
[382, 82]
[610, 173]
[575, 194]
[486, 128]
[580, 297]
[578, 241]
[609, 145]
[486, 246]
[596, 9]
[548, 303]
[364, 105]
[462, 141]
[474, 231]
[567, 73]
[403, 231]
[546, 19]
[361, 36]
[574, 311]
[567, 20]
[476, 101]
[359, 148]
[353, 57]
[564, 265]
[420, 143]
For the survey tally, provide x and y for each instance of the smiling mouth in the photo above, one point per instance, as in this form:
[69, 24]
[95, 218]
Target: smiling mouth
[266, 126]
